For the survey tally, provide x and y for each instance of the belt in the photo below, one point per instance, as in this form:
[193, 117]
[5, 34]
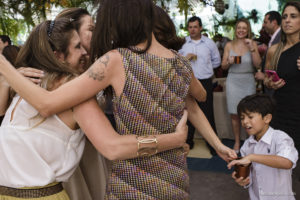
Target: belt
[33, 192]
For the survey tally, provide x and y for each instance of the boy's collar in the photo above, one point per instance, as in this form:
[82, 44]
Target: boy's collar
[266, 138]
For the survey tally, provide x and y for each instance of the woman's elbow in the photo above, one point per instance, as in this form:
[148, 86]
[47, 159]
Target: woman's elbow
[110, 152]
[46, 108]
[203, 97]
[45, 111]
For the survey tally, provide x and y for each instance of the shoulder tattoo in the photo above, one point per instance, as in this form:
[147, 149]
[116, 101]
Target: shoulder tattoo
[98, 73]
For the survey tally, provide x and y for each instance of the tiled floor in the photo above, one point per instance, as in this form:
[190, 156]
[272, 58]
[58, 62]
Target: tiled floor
[206, 185]
[209, 185]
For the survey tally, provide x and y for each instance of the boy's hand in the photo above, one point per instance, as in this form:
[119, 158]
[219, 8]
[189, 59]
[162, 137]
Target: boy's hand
[241, 181]
[244, 161]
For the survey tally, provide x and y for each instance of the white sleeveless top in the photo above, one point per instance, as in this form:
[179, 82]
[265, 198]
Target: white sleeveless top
[36, 155]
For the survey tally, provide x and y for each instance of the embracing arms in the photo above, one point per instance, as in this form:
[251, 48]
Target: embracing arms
[104, 72]
[113, 146]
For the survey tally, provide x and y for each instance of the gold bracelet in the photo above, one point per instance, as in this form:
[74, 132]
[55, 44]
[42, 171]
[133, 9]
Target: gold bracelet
[147, 145]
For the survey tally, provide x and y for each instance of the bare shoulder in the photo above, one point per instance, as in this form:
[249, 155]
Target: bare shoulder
[109, 59]
[272, 49]
[228, 45]
[105, 65]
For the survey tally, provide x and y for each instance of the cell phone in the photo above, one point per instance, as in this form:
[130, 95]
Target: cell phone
[272, 73]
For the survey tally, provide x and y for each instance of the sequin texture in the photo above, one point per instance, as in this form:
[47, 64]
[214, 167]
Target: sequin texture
[152, 102]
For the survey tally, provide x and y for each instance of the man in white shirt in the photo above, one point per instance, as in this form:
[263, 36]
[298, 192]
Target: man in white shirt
[204, 56]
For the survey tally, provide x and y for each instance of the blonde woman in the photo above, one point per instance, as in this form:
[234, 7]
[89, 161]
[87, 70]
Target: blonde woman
[241, 57]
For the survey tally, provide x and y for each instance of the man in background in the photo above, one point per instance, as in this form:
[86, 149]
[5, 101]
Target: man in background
[272, 22]
[204, 56]
[271, 25]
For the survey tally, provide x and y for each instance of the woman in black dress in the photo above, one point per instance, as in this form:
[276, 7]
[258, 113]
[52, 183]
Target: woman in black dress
[283, 57]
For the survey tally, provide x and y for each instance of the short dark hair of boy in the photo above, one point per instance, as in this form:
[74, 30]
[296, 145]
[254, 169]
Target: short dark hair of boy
[256, 103]
[5, 38]
[195, 18]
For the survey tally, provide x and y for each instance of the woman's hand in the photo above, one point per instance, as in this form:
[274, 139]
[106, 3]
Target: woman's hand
[226, 153]
[268, 81]
[191, 56]
[241, 180]
[259, 75]
[230, 60]
[298, 63]
[182, 128]
[249, 44]
[32, 74]
[186, 149]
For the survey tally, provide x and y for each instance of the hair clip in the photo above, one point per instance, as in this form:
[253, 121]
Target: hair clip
[50, 28]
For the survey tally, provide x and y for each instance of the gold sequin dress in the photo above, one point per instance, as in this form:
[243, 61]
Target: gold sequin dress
[152, 102]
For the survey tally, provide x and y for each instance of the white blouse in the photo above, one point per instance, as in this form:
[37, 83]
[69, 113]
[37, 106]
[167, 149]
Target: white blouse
[35, 152]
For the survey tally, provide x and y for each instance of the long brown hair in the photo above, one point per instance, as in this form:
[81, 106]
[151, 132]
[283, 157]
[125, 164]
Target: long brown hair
[122, 23]
[282, 43]
[38, 51]
[165, 31]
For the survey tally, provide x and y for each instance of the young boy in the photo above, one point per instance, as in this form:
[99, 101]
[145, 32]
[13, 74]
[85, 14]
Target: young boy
[271, 152]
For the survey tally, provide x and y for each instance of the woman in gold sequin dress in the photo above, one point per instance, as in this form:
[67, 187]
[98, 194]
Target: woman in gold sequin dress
[150, 84]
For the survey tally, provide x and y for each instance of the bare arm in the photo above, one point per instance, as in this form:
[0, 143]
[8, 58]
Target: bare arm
[268, 80]
[198, 119]
[32, 74]
[227, 60]
[113, 146]
[4, 95]
[256, 59]
[104, 72]
[197, 90]
[269, 160]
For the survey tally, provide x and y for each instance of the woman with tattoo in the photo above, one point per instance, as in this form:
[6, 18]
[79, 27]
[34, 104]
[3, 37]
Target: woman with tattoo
[150, 84]
[53, 145]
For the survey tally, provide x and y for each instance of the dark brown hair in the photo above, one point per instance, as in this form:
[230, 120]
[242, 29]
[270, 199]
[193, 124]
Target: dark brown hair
[122, 24]
[10, 53]
[74, 15]
[165, 31]
[256, 103]
[282, 43]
